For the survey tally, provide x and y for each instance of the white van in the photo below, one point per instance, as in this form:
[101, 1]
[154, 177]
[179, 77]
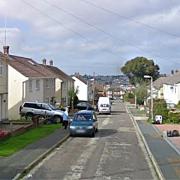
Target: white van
[104, 105]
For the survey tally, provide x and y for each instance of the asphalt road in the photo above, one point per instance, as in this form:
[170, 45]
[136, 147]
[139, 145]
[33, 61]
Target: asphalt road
[115, 153]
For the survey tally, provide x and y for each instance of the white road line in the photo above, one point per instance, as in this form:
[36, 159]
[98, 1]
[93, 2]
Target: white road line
[77, 169]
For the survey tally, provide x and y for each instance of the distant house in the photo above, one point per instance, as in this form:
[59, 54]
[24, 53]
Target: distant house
[81, 85]
[27, 81]
[63, 84]
[3, 87]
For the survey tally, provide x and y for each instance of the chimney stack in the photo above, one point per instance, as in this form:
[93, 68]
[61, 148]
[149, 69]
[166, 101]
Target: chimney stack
[51, 62]
[6, 50]
[44, 61]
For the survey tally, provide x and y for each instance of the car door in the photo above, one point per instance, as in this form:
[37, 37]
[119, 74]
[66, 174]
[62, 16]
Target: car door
[46, 110]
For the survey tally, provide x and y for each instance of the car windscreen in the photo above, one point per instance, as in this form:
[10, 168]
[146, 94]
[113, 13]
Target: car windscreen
[52, 107]
[83, 117]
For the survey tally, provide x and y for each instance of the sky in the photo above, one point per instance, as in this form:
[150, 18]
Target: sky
[97, 36]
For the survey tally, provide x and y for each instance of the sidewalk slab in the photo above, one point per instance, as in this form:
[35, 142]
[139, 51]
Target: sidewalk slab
[15, 164]
[166, 157]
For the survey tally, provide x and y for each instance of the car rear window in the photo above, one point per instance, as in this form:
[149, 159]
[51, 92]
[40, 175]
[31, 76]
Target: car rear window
[83, 117]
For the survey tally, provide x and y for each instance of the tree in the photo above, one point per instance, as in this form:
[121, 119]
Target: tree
[73, 97]
[136, 68]
[141, 93]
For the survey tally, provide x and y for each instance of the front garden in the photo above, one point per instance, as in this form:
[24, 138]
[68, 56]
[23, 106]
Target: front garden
[15, 143]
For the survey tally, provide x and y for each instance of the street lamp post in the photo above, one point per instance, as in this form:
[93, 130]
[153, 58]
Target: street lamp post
[150, 77]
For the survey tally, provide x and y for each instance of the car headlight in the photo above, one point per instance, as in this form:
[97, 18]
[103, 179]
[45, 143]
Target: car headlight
[72, 127]
[89, 127]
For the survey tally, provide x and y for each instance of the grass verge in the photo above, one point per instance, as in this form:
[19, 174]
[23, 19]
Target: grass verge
[16, 143]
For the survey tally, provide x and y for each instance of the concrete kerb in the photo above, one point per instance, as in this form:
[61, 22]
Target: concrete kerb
[151, 157]
[39, 159]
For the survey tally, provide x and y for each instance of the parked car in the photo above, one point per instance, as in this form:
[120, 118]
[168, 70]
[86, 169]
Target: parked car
[84, 123]
[84, 106]
[45, 110]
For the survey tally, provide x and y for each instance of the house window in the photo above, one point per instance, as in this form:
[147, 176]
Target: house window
[30, 85]
[37, 85]
[1, 68]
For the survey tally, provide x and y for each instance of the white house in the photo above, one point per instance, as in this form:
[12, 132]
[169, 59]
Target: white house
[171, 93]
[81, 85]
[27, 81]
[3, 87]
[168, 88]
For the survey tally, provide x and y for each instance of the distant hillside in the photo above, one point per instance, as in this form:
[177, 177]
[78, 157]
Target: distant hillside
[111, 80]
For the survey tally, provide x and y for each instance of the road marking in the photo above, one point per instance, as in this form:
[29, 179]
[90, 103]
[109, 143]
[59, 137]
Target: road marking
[77, 169]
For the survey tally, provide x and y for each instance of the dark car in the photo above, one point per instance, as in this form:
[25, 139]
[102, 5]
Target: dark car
[84, 123]
[84, 106]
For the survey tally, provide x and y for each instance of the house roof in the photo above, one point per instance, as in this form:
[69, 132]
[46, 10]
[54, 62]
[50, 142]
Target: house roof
[171, 80]
[56, 71]
[29, 67]
[78, 76]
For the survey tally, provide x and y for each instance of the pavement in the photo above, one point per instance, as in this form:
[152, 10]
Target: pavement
[13, 167]
[164, 152]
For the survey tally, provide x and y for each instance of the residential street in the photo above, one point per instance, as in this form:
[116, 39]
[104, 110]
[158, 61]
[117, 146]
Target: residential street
[115, 153]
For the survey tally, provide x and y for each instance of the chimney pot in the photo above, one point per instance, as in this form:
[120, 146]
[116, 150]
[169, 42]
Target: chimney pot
[44, 61]
[6, 50]
[51, 62]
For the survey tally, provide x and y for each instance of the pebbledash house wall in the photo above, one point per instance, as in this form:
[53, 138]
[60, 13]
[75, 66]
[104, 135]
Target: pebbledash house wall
[3, 91]
[20, 91]
[15, 95]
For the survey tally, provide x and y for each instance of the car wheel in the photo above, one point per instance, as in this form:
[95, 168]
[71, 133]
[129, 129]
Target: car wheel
[29, 116]
[57, 119]
[97, 129]
[93, 133]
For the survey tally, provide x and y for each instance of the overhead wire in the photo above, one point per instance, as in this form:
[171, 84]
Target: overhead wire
[61, 24]
[91, 25]
[55, 20]
[80, 19]
[129, 18]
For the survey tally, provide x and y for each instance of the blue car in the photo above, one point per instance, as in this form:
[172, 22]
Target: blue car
[84, 123]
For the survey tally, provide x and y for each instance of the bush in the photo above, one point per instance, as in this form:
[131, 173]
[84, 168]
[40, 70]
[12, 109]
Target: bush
[178, 105]
[160, 108]
[174, 118]
[128, 96]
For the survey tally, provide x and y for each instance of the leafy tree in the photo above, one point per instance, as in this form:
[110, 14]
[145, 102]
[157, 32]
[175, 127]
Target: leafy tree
[73, 98]
[136, 68]
[141, 93]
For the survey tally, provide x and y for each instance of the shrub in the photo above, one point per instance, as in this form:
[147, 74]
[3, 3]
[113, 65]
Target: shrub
[128, 96]
[160, 108]
[174, 118]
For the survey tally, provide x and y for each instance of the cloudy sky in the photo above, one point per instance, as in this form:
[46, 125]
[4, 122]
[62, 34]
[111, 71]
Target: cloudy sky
[93, 36]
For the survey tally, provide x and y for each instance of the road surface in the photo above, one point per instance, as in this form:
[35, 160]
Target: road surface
[115, 153]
